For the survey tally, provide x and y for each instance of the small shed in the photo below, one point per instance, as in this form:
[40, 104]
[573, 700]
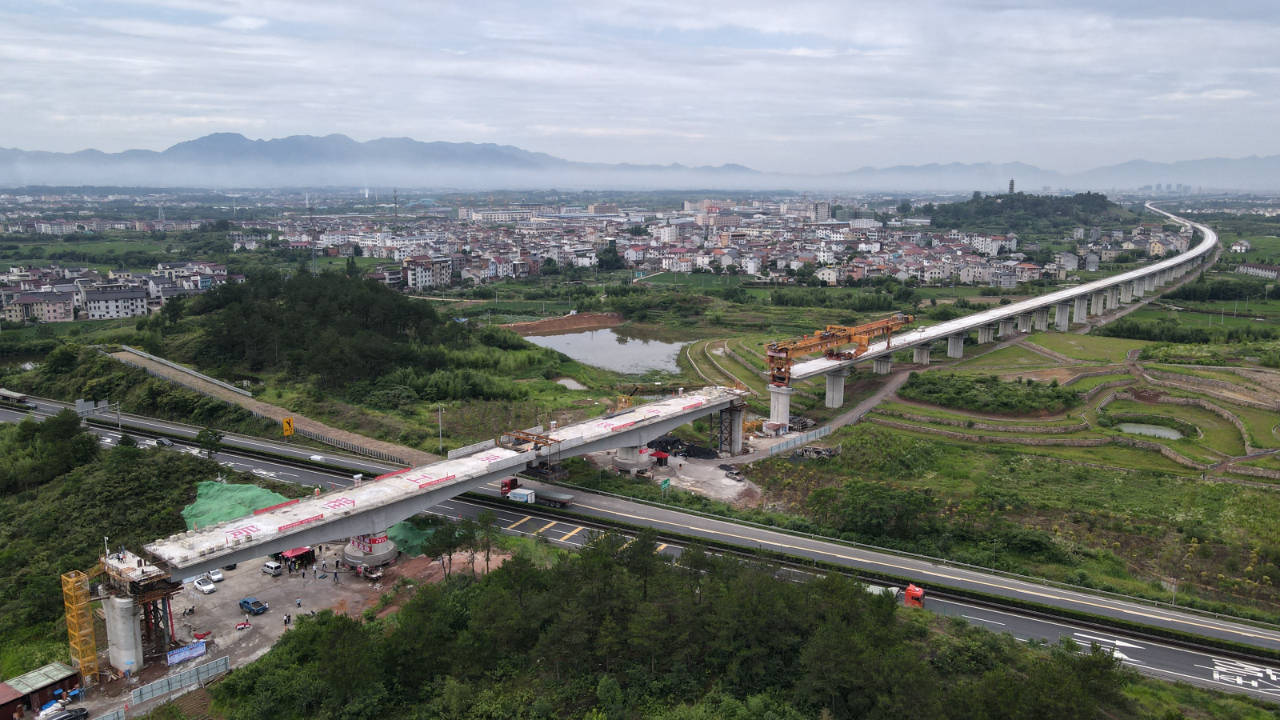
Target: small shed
[37, 687]
[10, 701]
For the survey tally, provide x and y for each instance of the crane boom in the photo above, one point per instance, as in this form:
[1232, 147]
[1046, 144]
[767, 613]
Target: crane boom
[782, 353]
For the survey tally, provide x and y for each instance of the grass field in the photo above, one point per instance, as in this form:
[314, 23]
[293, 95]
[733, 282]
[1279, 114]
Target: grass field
[1219, 434]
[1087, 347]
[697, 280]
[1089, 383]
[1198, 319]
[1013, 357]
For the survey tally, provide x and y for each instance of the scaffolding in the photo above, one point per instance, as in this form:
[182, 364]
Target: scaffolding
[84, 647]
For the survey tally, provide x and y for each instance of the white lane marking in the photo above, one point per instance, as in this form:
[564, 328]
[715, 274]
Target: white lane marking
[1114, 641]
[985, 620]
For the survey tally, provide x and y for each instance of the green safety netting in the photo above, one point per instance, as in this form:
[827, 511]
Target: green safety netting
[216, 502]
[408, 539]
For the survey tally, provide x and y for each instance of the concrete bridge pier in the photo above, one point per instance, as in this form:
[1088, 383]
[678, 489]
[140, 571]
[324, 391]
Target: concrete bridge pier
[736, 414]
[780, 407]
[1137, 288]
[1096, 304]
[1062, 317]
[1040, 319]
[1007, 327]
[835, 387]
[986, 334]
[1126, 293]
[632, 458]
[1024, 323]
[1081, 314]
[881, 366]
[955, 345]
[920, 354]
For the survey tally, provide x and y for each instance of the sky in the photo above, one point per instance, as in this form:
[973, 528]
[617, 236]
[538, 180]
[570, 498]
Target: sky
[799, 87]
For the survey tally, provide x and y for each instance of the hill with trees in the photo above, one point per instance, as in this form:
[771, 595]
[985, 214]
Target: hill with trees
[359, 338]
[1030, 214]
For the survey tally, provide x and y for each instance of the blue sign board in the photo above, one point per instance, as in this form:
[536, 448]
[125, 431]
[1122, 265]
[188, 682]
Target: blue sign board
[182, 654]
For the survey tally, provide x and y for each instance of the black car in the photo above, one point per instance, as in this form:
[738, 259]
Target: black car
[164, 442]
[70, 714]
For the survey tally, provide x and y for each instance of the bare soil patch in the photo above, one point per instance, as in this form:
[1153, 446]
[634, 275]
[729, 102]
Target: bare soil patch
[566, 323]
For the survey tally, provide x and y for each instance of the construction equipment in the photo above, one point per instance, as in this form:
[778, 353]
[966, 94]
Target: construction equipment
[624, 401]
[84, 646]
[782, 353]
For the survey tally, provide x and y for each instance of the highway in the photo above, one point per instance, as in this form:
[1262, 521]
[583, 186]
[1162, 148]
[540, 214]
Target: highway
[1153, 658]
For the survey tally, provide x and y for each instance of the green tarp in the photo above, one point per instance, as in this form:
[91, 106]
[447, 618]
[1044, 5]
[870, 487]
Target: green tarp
[216, 502]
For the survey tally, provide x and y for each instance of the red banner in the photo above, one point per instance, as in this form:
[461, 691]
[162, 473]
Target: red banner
[299, 523]
[277, 506]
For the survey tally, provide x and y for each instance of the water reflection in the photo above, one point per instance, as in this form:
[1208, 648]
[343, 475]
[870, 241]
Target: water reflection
[612, 350]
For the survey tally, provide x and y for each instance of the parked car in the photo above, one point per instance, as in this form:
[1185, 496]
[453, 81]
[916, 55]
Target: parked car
[205, 585]
[232, 566]
[272, 568]
[216, 575]
[253, 606]
[68, 714]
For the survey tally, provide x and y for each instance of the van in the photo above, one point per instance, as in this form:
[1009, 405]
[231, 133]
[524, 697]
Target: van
[272, 568]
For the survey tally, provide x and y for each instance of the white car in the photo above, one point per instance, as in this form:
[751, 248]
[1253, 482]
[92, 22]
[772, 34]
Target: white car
[317, 458]
[205, 585]
[215, 575]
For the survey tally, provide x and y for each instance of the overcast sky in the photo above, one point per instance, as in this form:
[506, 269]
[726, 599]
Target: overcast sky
[783, 86]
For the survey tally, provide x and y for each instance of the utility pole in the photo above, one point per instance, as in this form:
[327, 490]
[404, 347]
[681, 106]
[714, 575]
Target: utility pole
[440, 426]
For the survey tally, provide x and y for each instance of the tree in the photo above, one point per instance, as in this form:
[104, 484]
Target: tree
[486, 522]
[209, 440]
[609, 259]
[904, 207]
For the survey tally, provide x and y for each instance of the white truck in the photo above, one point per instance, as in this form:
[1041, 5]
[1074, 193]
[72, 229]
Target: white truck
[541, 497]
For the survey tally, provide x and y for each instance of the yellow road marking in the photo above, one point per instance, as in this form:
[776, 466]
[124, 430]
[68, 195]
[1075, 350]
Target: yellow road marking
[575, 532]
[544, 528]
[945, 576]
[627, 544]
[512, 526]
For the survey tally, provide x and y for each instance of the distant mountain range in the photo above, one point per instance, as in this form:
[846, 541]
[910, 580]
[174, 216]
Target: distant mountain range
[232, 160]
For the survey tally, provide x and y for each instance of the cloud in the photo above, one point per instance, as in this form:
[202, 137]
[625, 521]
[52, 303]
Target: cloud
[816, 86]
[243, 22]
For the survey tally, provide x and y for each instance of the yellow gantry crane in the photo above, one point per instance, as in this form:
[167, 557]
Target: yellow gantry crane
[781, 354]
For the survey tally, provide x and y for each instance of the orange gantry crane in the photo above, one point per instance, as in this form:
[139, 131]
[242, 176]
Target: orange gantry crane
[782, 353]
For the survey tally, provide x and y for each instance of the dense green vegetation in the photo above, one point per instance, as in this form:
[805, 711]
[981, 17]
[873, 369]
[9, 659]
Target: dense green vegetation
[1173, 330]
[616, 633]
[987, 393]
[359, 337]
[62, 496]
[1031, 214]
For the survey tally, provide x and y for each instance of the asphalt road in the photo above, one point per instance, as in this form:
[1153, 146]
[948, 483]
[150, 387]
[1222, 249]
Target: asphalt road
[1149, 657]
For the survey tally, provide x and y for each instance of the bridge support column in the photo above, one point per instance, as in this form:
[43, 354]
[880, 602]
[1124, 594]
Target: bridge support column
[1062, 317]
[986, 334]
[780, 408]
[1024, 323]
[1007, 327]
[1113, 297]
[1040, 319]
[835, 387]
[371, 550]
[735, 415]
[920, 354]
[955, 345]
[1137, 289]
[1126, 293]
[1095, 304]
[881, 366]
[631, 458]
[1080, 314]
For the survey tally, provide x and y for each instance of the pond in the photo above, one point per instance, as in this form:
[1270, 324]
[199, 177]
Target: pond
[612, 350]
[1159, 431]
